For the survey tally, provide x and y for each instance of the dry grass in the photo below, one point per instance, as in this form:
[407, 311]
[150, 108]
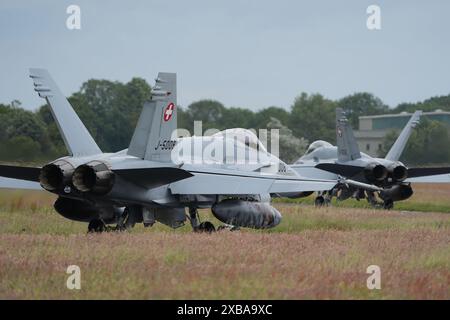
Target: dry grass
[313, 254]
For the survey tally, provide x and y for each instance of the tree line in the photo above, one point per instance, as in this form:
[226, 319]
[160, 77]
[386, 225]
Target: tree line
[110, 111]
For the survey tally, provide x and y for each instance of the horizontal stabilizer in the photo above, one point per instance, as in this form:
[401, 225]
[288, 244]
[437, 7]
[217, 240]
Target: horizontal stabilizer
[8, 183]
[153, 177]
[340, 169]
[423, 172]
[440, 178]
[22, 173]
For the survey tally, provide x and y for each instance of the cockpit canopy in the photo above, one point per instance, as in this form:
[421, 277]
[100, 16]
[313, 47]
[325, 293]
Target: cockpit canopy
[319, 150]
[316, 145]
[244, 136]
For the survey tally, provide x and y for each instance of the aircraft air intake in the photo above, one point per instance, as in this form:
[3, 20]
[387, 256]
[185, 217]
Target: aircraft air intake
[94, 176]
[375, 172]
[248, 214]
[56, 175]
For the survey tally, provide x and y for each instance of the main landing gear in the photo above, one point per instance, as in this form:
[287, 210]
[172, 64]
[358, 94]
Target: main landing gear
[323, 199]
[198, 226]
[386, 204]
[96, 225]
[124, 222]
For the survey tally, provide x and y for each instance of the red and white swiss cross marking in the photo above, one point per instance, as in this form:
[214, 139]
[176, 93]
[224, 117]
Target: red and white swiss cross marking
[168, 112]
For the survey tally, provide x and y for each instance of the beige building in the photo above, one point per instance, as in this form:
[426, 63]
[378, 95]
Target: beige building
[373, 129]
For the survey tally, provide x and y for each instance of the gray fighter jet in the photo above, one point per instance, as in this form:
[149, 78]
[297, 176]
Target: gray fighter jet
[380, 180]
[158, 176]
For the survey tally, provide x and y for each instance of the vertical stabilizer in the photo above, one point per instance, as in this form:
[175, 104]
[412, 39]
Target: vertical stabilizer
[76, 137]
[399, 145]
[345, 140]
[152, 138]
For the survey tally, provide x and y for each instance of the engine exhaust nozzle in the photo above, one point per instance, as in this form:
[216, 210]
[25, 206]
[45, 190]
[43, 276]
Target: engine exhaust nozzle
[56, 175]
[94, 176]
[375, 172]
[398, 173]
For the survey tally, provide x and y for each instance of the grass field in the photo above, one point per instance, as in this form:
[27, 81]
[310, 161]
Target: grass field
[313, 254]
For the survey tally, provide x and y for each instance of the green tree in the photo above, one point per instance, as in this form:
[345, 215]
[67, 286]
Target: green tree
[428, 105]
[264, 116]
[361, 104]
[290, 147]
[20, 148]
[313, 118]
[428, 144]
[109, 110]
[210, 112]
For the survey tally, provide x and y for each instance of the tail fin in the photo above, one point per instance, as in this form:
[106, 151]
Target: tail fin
[399, 145]
[346, 143]
[76, 137]
[153, 137]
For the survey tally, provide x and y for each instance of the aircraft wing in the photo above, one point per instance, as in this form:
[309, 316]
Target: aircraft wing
[286, 186]
[229, 184]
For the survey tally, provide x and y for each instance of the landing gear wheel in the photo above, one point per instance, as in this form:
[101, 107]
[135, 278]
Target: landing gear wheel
[319, 201]
[206, 226]
[96, 225]
[228, 227]
[388, 204]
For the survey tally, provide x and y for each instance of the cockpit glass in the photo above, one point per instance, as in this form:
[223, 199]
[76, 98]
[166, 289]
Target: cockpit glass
[317, 144]
[245, 136]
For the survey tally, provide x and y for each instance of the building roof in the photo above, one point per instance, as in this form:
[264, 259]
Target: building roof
[405, 114]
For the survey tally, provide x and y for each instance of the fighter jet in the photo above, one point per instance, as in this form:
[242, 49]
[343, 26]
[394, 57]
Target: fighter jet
[362, 176]
[157, 177]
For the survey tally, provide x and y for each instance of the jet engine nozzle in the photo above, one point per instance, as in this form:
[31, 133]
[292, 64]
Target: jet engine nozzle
[94, 176]
[398, 172]
[56, 175]
[248, 214]
[375, 172]
[397, 192]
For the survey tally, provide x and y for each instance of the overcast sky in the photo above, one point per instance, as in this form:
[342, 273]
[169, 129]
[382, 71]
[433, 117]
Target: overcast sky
[250, 54]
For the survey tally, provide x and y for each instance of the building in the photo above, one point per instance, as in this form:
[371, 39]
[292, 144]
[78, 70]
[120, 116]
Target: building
[373, 129]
